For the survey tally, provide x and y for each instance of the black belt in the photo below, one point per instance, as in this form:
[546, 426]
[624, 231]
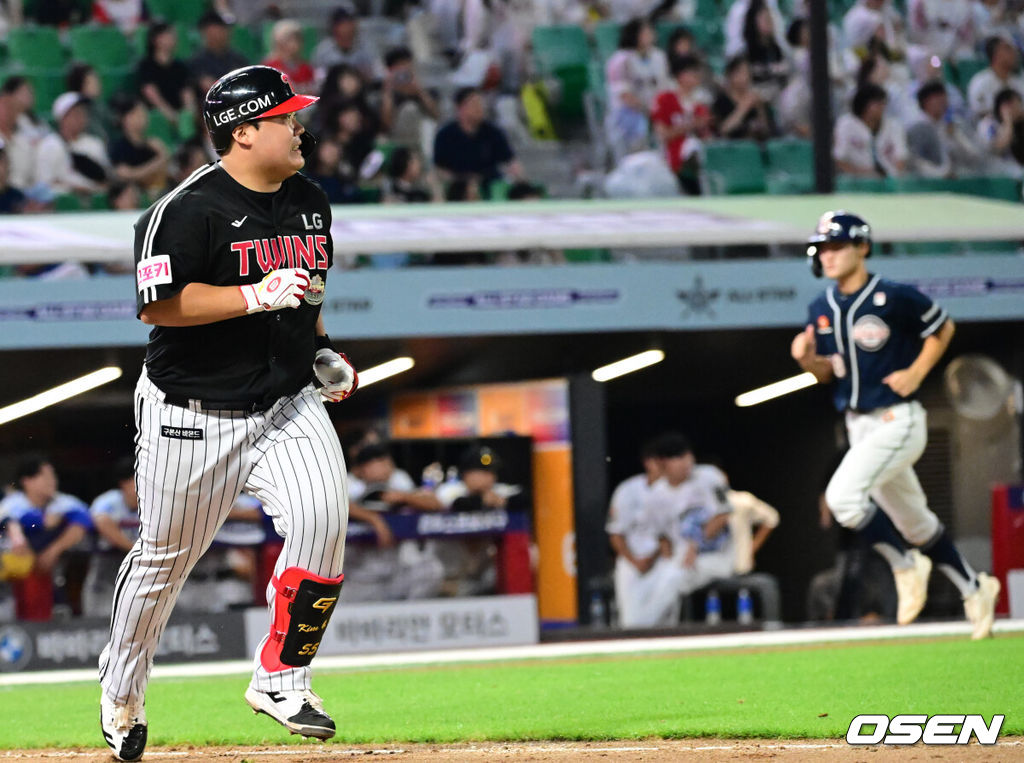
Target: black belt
[241, 406]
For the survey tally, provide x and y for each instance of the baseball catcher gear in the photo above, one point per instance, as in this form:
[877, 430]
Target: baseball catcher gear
[247, 94]
[279, 288]
[303, 607]
[337, 374]
[836, 226]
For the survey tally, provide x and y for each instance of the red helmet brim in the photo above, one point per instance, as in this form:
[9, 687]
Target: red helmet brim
[295, 103]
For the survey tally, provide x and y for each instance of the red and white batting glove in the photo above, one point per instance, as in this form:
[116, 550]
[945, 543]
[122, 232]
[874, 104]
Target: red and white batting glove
[279, 288]
[336, 372]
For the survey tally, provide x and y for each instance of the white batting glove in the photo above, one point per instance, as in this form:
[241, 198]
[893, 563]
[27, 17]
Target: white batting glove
[278, 289]
[335, 371]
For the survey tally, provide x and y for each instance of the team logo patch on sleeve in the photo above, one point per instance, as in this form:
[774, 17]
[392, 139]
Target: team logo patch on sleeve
[153, 271]
[315, 293]
[824, 327]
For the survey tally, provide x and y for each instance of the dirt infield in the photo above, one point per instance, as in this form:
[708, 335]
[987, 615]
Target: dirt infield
[1009, 748]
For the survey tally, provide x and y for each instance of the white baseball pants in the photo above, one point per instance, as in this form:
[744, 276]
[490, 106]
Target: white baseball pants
[884, 445]
[191, 465]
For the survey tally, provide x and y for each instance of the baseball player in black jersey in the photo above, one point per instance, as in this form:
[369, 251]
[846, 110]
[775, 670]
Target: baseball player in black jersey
[876, 340]
[231, 268]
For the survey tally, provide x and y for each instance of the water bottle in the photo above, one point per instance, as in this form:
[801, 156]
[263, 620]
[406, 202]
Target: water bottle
[713, 608]
[597, 611]
[744, 607]
[432, 475]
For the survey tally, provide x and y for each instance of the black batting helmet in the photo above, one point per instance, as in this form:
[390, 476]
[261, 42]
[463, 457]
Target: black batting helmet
[837, 226]
[252, 92]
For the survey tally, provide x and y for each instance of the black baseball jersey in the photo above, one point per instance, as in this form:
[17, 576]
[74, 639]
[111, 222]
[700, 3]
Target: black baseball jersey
[878, 329]
[212, 230]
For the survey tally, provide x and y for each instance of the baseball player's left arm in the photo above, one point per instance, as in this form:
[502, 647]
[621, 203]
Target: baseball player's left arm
[905, 382]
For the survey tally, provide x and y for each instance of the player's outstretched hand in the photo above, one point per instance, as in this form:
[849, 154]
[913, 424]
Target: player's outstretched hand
[278, 289]
[335, 371]
[904, 383]
[803, 348]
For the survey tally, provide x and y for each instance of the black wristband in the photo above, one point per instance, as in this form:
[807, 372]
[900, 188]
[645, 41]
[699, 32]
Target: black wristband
[324, 342]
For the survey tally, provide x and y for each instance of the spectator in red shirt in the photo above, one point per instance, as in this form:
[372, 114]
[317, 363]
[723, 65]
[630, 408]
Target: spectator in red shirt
[286, 55]
[681, 119]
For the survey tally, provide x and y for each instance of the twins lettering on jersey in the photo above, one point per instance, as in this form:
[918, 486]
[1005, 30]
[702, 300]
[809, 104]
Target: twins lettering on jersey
[290, 251]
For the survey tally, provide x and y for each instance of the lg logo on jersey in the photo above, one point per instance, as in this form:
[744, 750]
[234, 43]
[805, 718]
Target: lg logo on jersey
[316, 221]
[911, 729]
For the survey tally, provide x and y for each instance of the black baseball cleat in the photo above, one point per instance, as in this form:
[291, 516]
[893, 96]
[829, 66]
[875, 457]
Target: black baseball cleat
[301, 712]
[124, 728]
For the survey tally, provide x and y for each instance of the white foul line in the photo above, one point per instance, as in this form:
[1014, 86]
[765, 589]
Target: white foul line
[744, 640]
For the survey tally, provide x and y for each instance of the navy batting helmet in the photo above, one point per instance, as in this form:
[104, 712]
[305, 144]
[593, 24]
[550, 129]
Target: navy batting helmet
[837, 226]
[246, 94]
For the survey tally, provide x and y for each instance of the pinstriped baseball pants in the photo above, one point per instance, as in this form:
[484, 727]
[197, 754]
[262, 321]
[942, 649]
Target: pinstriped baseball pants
[191, 465]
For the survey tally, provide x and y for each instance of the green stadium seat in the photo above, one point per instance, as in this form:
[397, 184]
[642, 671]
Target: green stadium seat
[116, 79]
[178, 11]
[47, 84]
[562, 51]
[966, 69]
[732, 167]
[67, 202]
[99, 202]
[555, 47]
[790, 165]
[606, 39]
[247, 43]
[101, 46]
[911, 184]
[995, 187]
[36, 47]
[858, 184]
[189, 41]
[162, 128]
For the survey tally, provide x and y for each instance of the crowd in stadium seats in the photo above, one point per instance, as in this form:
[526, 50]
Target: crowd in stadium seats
[452, 99]
[60, 554]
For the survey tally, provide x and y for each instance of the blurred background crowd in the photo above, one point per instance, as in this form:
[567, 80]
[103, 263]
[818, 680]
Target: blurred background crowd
[465, 100]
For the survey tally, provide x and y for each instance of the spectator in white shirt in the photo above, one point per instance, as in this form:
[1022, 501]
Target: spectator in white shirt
[945, 27]
[635, 73]
[71, 160]
[872, 24]
[1001, 73]
[735, 20]
[1002, 134]
[939, 148]
[18, 130]
[866, 143]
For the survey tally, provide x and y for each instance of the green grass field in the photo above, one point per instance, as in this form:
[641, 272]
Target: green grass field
[773, 693]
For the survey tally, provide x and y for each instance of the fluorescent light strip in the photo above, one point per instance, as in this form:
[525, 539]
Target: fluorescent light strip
[628, 365]
[384, 370]
[59, 393]
[777, 389]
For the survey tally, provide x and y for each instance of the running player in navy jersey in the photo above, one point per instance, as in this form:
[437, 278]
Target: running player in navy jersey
[876, 340]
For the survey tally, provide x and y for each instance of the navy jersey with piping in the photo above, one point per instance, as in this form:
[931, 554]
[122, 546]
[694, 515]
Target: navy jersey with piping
[878, 329]
[212, 230]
